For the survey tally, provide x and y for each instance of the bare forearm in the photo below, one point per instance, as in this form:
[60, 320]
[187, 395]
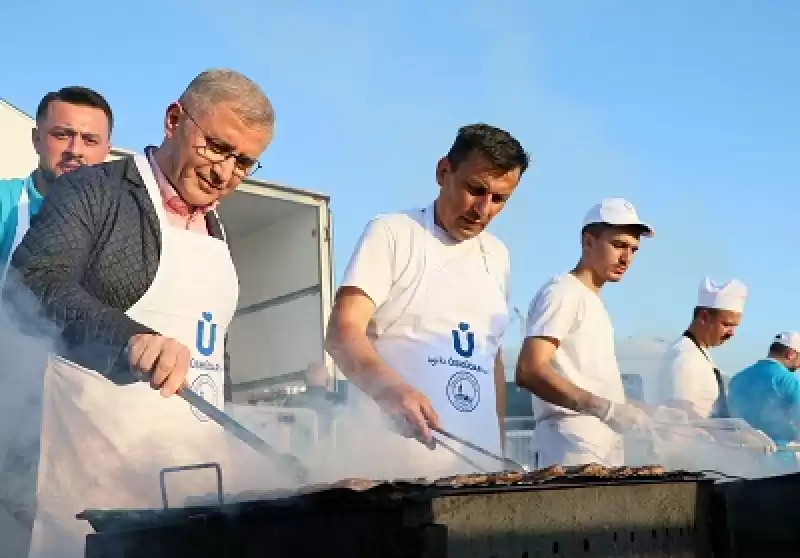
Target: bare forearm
[547, 384]
[360, 362]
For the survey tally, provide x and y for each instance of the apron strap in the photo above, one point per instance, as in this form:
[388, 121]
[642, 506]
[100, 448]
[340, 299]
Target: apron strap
[721, 404]
[396, 315]
[221, 226]
[146, 172]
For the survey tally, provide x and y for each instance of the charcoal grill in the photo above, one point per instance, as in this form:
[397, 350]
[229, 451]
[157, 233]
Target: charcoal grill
[758, 518]
[665, 516]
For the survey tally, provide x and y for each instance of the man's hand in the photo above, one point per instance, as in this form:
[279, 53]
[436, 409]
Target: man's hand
[621, 417]
[410, 410]
[164, 360]
[626, 417]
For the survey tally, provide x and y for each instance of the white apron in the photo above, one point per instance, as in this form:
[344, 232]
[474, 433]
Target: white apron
[444, 344]
[576, 440]
[104, 445]
[23, 224]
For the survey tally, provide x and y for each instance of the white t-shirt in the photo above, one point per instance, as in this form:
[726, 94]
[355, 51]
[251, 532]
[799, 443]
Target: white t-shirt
[686, 377]
[567, 310]
[388, 261]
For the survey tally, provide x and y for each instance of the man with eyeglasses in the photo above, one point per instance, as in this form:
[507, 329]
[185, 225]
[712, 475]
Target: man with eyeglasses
[129, 262]
[73, 128]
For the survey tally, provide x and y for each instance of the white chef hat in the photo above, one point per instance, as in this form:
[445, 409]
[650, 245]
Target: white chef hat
[617, 212]
[730, 295]
[789, 339]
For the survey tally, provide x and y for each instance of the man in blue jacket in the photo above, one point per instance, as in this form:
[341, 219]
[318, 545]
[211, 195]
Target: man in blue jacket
[73, 128]
[767, 394]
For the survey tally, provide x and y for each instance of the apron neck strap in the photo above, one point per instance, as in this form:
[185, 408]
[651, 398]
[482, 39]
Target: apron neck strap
[149, 178]
[428, 221]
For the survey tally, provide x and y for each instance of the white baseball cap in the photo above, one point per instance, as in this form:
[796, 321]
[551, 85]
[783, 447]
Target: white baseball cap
[789, 339]
[616, 212]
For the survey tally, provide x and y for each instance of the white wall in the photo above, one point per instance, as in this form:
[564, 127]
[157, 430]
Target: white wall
[278, 260]
[17, 156]
[276, 340]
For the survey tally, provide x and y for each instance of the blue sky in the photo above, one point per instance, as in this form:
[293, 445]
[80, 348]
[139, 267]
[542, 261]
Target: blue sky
[687, 108]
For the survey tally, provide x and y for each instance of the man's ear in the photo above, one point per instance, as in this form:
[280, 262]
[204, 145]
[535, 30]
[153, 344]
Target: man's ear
[586, 240]
[35, 139]
[172, 119]
[442, 168]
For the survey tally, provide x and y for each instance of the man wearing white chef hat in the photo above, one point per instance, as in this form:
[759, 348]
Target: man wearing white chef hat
[567, 359]
[689, 380]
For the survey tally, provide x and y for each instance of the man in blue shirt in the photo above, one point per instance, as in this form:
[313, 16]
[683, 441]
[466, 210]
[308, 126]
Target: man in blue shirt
[767, 394]
[73, 128]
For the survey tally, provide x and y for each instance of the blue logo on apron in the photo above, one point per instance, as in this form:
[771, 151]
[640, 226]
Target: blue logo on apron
[466, 353]
[205, 387]
[463, 391]
[203, 348]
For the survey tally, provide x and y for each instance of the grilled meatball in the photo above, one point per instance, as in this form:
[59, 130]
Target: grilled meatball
[622, 472]
[650, 471]
[471, 479]
[355, 484]
[591, 470]
[506, 477]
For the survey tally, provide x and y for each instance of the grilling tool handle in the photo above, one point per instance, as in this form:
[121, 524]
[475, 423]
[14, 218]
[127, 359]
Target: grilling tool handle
[437, 442]
[500, 458]
[242, 433]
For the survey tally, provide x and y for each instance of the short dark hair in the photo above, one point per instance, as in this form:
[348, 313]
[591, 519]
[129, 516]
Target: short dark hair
[712, 312]
[499, 147]
[597, 229]
[778, 350]
[76, 95]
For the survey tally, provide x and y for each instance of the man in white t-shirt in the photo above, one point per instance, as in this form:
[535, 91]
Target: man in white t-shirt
[567, 359]
[419, 318]
[688, 378]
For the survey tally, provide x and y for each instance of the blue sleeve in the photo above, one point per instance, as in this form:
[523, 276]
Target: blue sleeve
[787, 387]
[10, 191]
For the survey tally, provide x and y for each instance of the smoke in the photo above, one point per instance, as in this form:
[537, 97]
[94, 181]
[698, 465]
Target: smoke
[730, 447]
[25, 342]
[117, 467]
[361, 444]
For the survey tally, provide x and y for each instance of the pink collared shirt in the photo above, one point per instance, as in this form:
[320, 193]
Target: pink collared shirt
[179, 213]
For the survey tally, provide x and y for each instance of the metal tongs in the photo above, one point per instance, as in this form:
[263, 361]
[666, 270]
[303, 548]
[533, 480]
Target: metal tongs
[301, 472]
[507, 463]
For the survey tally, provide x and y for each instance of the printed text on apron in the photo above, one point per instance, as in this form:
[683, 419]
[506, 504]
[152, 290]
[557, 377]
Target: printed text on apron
[444, 343]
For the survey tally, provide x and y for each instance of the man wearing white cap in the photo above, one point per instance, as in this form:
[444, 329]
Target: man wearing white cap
[689, 380]
[567, 359]
[767, 394]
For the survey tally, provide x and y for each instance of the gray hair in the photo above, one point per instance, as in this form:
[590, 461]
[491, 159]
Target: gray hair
[216, 86]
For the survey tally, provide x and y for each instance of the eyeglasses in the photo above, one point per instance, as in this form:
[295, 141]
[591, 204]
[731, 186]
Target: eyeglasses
[218, 151]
